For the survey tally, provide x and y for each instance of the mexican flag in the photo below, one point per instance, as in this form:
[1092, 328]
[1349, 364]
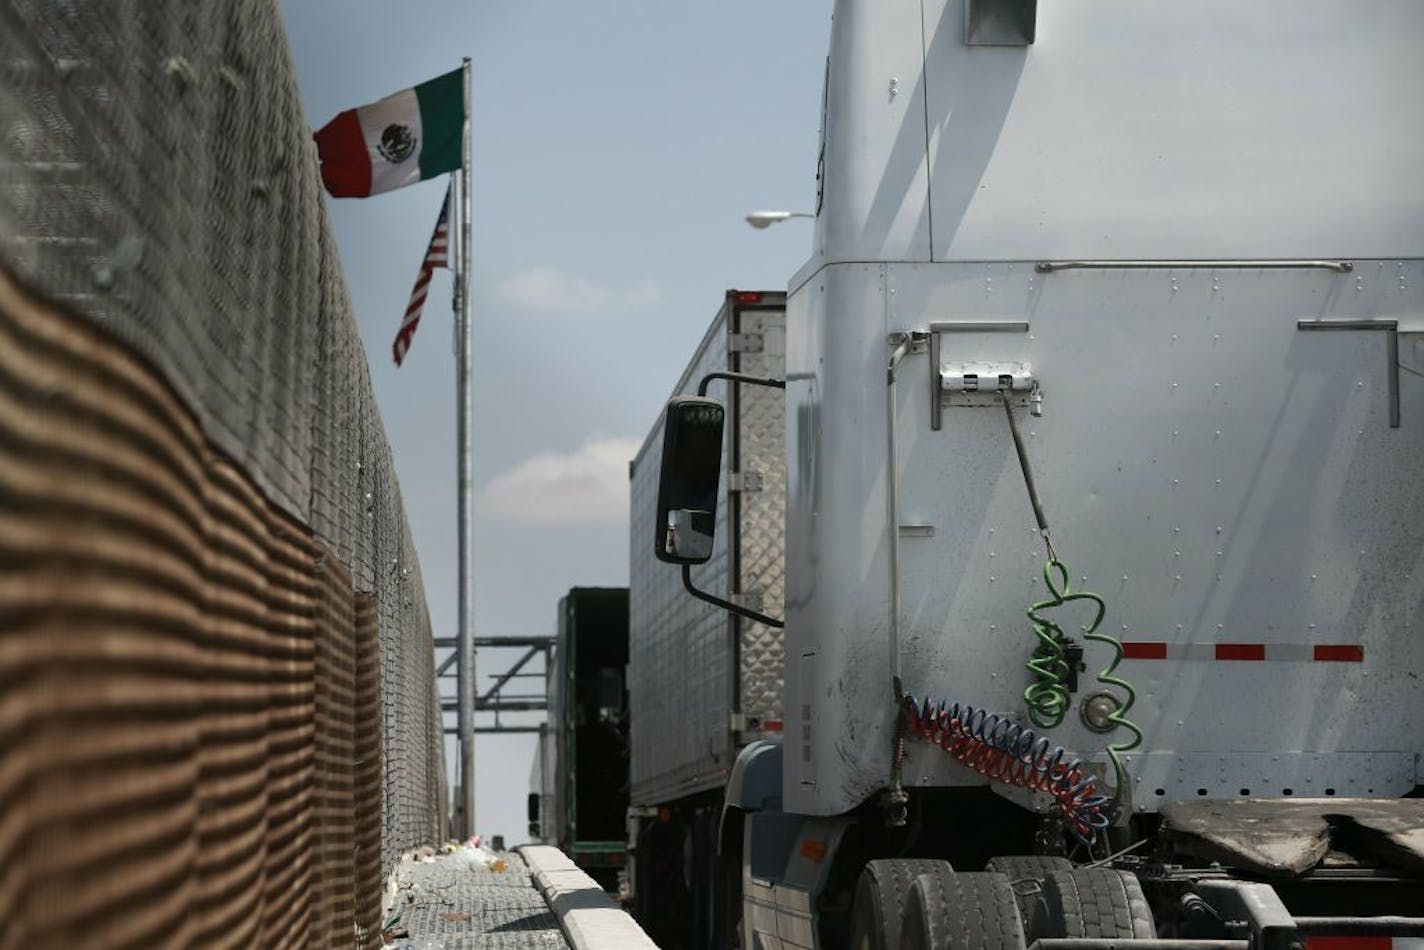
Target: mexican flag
[398, 141]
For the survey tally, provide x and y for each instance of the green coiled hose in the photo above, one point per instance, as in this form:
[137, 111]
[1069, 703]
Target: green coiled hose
[1118, 717]
[1047, 697]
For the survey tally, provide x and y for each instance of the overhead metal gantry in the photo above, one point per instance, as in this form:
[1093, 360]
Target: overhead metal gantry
[496, 699]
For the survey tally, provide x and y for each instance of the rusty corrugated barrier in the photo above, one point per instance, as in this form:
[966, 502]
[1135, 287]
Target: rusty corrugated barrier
[336, 750]
[369, 776]
[190, 715]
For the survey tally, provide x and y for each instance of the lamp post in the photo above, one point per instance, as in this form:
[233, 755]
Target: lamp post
[762, 220]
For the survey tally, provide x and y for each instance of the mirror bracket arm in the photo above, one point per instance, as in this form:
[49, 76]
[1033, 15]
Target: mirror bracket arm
[727, 604]
[740, 378]
[687, 568]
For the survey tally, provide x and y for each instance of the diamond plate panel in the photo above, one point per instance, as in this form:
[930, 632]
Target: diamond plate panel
[762, 430]
[446, 903]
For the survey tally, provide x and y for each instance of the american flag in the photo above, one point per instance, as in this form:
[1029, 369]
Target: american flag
[437, 255]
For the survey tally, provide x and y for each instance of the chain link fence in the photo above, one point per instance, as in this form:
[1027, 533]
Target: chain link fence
[158, 180]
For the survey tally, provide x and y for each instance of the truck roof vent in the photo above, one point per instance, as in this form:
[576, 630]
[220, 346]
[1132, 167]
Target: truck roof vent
[1000, 22]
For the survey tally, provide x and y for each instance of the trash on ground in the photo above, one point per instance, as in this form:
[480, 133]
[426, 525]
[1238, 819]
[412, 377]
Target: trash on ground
[475, 857]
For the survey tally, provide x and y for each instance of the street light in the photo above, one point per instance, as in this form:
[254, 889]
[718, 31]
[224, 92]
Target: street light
[765, 219]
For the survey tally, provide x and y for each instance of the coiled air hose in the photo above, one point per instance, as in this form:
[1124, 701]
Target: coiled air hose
[1005, 751]
[1047, 697]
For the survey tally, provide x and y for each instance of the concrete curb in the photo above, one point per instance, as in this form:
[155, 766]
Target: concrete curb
[588, 917]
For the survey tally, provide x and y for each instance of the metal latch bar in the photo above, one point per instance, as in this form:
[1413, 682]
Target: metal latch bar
[1391, 329]
[959, 326]
[979, 326]
[1049, 267]
[980, 377]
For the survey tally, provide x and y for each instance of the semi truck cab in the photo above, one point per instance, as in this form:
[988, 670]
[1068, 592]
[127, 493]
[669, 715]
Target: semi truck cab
[1103, 407]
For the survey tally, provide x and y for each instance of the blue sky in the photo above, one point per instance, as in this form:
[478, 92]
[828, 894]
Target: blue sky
[617, 147]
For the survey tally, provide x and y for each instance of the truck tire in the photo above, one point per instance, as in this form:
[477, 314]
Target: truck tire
[1093, 902]
[961, 912]
[1026, 873]
[880, 897]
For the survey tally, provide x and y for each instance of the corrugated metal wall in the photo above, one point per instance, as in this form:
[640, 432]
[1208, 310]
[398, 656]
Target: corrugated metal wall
[204, 450]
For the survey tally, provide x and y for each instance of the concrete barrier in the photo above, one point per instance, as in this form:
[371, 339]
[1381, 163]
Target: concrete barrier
[589, 918]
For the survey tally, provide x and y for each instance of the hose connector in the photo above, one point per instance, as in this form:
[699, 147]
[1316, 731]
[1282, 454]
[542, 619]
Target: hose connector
[895, 806]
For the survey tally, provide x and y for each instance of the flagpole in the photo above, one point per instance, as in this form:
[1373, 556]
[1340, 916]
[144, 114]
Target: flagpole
[465, 415]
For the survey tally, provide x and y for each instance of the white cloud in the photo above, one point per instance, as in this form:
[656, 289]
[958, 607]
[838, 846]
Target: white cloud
[552, 290]
[646, 291]
[585, 487]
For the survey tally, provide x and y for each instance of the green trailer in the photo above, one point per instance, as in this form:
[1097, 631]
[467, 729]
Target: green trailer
[580, 799]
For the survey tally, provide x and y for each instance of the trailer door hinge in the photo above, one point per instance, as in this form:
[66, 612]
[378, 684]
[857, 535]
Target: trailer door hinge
[750, 599]
[737, 722]
[744, 342]
[744, 481]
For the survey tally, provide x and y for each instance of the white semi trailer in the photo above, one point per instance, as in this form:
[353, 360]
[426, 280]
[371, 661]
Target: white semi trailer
[702, 682]
[1120, 298]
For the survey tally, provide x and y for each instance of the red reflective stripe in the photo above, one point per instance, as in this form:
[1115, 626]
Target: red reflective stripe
[813, 850]
[772, 725]
[1349, 943]
[1321, 652]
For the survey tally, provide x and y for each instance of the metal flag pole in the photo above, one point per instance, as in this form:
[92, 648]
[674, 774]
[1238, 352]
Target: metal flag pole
[465, 419]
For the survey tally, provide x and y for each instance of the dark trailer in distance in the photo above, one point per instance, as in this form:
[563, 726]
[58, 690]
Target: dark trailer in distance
[580, 800]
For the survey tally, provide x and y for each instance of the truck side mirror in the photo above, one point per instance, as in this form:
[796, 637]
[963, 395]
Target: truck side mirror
[534, 813]
[687, 482]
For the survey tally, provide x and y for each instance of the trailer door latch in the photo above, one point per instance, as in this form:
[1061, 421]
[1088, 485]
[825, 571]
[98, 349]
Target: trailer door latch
[985, 377]
[744, 481]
